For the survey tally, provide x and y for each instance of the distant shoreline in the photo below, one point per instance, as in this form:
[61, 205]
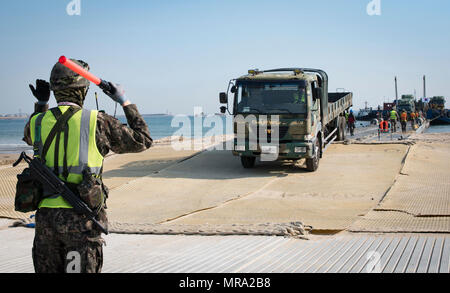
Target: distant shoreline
[14, 118]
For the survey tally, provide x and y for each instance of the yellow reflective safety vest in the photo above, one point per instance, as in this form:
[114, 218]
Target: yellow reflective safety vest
[82, 152]
[393, 115]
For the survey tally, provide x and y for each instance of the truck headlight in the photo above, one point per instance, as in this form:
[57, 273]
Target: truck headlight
[300, 149]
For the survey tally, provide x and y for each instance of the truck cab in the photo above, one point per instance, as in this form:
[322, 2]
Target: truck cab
[293, 111]
[406, 103]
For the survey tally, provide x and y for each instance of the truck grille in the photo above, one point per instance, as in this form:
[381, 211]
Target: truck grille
[283, 131]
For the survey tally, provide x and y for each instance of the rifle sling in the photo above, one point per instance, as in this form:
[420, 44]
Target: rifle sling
[59, 126]
[57, 113]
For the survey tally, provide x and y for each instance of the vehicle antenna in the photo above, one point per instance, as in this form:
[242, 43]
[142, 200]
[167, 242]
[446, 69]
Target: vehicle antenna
[96, 100]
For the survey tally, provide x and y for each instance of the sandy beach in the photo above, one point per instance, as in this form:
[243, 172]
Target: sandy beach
[8, 159]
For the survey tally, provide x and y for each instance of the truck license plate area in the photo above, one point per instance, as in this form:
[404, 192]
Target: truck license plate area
[269, 149]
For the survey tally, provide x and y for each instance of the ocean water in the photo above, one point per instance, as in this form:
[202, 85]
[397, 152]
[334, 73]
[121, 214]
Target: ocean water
[11, 131]
[11, 134]
[163, 126]
[439, 129]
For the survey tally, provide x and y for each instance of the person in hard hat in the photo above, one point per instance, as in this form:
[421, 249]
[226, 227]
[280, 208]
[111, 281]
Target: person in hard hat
[351, 123]
[90, 137]
[413, 119]
[346, 119]
[404, 120]
[417, 118]
[394, 118]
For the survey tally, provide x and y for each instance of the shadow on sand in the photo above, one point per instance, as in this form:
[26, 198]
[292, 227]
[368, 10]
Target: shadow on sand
[212, 165]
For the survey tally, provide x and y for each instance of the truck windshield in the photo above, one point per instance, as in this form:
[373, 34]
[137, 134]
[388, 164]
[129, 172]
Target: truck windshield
[270, 98]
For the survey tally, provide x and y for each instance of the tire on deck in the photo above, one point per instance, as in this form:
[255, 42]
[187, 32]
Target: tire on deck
[248, 162]
[312, 164]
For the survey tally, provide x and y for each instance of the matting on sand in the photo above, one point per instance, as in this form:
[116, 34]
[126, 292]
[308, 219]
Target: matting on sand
[160, 186]
[213, 189]
[121, 169]
[396, 222]
[423, 189]
[8, 181]
[118, 170]
[419, 201]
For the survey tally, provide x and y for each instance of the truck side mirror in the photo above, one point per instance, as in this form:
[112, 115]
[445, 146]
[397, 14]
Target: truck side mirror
[223, 109]
[233, 89]
[317, 93]
[223, 98]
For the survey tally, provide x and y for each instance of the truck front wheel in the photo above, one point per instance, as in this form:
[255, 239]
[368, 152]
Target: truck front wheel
[313, 164]
[248, 162]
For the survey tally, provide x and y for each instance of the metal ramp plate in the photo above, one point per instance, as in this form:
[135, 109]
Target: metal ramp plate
[251, 254]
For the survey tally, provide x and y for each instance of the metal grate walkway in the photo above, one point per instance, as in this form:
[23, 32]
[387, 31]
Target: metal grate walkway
[419, 253]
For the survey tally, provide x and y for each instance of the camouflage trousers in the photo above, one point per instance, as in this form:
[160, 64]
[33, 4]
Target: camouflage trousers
[66, 242]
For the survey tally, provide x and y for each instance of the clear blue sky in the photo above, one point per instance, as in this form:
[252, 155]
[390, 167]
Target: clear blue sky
[176, 54]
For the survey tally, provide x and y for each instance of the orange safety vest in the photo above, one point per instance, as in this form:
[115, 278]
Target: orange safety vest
[413, 115]
[404, 116]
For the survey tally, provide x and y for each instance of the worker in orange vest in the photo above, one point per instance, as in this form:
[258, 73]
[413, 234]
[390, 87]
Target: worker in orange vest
[413, 119]
[417, 118]
[404, 120]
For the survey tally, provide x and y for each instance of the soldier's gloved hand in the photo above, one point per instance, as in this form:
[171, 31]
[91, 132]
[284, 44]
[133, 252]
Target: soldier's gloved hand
[41, 92]
[117, 93]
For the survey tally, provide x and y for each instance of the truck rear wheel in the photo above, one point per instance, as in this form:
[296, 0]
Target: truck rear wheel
[313, 164]
[248, 162]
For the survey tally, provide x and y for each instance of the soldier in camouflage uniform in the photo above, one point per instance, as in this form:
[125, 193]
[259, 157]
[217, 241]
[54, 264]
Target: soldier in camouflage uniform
[61, 231]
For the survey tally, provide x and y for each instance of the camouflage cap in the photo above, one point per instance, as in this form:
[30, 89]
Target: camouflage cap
[62, 78]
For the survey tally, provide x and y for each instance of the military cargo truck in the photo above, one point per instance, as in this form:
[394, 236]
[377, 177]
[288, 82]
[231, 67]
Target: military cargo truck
[437, 103]
[406, 103]
[309, 118]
